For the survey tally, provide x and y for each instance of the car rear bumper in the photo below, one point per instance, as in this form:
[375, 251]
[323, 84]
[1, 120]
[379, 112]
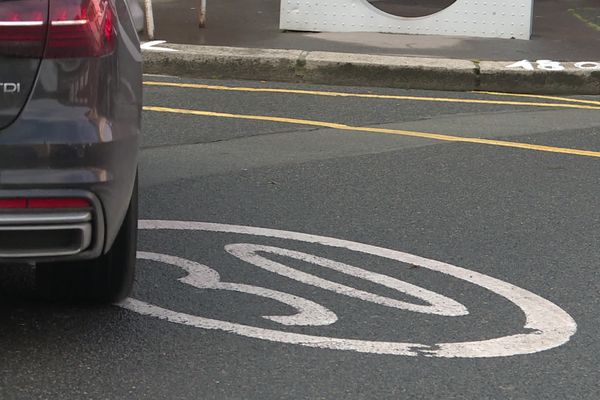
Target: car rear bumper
[103, 172]
[77, 135]
[79, 132]
[37, 235]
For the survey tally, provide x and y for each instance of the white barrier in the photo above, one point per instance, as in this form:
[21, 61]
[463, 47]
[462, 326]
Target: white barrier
[487, 18]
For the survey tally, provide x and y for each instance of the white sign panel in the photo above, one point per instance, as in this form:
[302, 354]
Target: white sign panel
[495, 19]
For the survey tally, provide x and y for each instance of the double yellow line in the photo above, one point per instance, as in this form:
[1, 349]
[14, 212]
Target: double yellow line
[581, 104]
[576, 104]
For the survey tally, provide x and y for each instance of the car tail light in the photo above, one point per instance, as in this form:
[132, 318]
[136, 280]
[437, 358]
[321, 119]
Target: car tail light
[13, 203]
[58, 202]
[80, 28]
[23, 27]
[46, 203]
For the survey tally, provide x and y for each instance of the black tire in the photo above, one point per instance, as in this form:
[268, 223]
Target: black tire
[106, 279]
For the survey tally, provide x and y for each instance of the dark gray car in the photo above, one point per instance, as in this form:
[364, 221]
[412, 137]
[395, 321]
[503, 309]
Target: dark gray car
[70, 112]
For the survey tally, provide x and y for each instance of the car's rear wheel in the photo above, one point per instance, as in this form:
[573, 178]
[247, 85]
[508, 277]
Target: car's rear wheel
[106, 279]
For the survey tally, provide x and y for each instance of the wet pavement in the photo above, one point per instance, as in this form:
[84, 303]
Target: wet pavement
[311, 242]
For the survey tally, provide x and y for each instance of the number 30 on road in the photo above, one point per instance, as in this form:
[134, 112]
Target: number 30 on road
[546, 325]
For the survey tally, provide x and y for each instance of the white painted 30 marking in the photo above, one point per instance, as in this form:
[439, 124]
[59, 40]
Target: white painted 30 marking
[548, 325]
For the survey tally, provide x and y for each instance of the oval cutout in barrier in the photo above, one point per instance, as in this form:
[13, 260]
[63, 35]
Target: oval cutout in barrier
[411, 8]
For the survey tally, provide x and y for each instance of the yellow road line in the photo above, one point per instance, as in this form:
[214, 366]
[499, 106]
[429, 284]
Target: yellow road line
[333, 125]
[537, 96]
[368, 95]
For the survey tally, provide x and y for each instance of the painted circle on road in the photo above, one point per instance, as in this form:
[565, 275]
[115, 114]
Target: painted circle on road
[547, 325]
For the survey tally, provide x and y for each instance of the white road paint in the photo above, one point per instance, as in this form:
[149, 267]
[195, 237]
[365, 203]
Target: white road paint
[588, 65]
[153, 46]
[438, 304]
[203, 277]
[547, 325]
[549, 65]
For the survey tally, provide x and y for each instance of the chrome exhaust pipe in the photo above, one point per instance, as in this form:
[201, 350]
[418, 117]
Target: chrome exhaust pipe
[37, 235]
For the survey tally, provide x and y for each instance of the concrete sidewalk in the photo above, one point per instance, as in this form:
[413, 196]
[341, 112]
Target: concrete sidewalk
[564, 30]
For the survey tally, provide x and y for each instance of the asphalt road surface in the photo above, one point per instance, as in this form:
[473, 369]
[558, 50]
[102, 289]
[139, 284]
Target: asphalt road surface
[366, 244]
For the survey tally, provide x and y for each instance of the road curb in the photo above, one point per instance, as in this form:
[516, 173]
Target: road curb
[212, 62]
